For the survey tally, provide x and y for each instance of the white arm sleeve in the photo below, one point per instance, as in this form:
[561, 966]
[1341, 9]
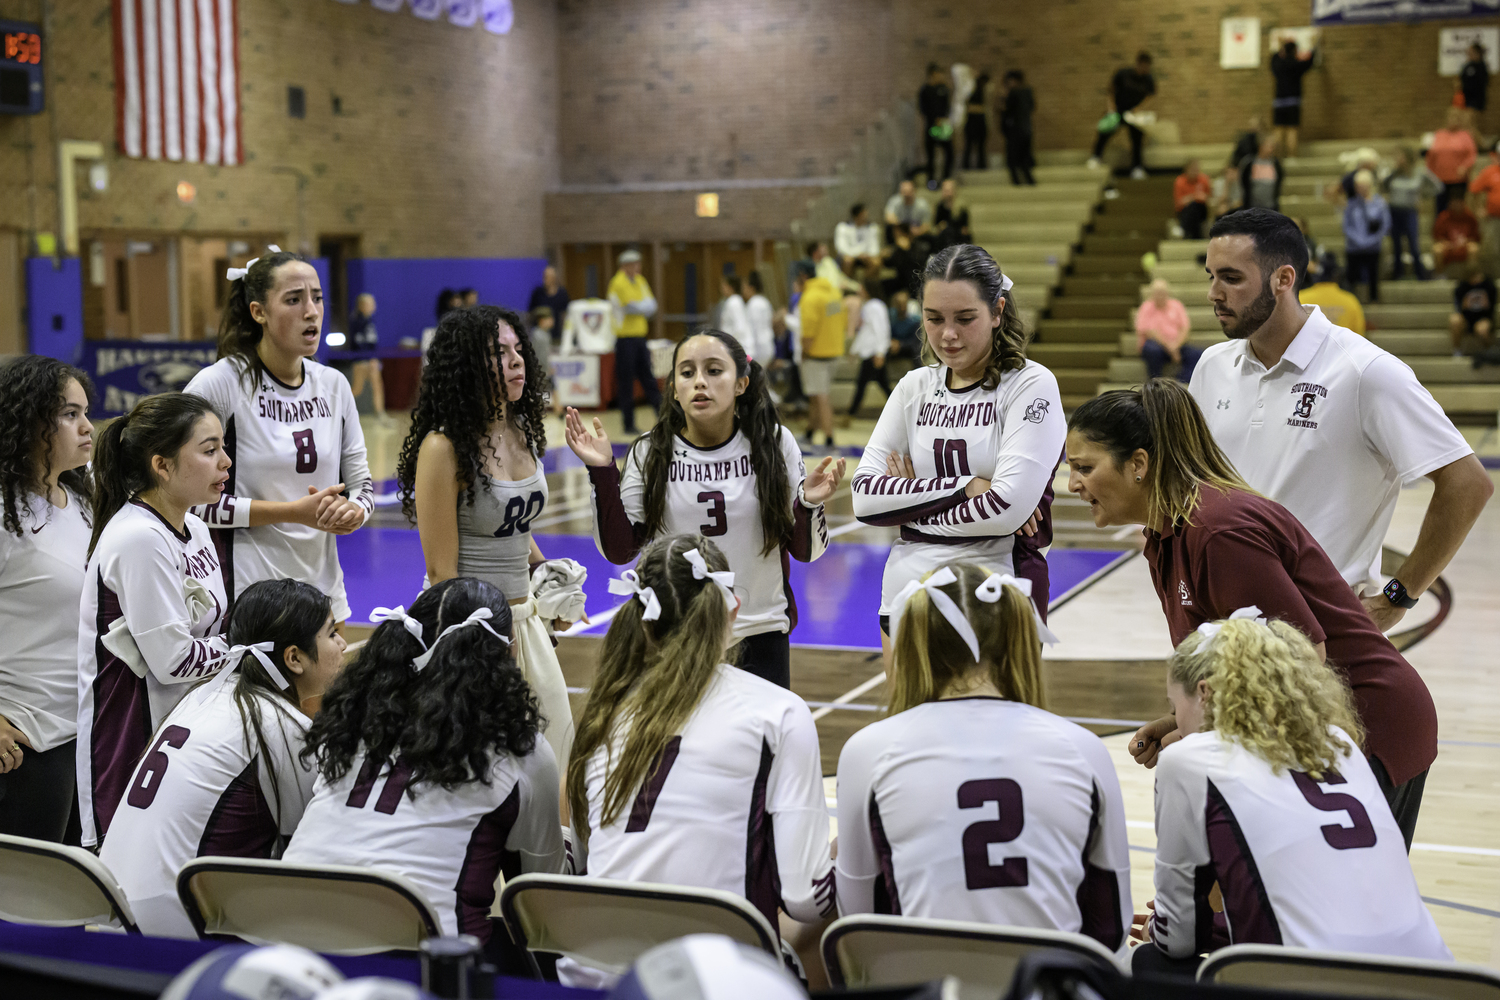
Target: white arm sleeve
[858, 868]
[1183, 923]
[1031, 441]
[894, 500]
[537, 835]
[809, 522]
[799, 819]
[148, 580]
[354, 463]
[220, 384]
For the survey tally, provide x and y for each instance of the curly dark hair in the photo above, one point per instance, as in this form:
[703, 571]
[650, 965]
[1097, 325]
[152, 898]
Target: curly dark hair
[461, 396]
[755, 415]
[966, 262]
[31, 399]
[446, 723]
[239, 333]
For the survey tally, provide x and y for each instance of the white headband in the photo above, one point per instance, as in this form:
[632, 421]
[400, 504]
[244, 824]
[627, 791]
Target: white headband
[1209, 630]
[629, 582]
[236, 273]
[398, 614]
[723, 577]
[989, 592]
[479, 616]
[236, 656]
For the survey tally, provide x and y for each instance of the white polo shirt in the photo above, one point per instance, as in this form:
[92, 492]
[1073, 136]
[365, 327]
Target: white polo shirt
[1331, 432]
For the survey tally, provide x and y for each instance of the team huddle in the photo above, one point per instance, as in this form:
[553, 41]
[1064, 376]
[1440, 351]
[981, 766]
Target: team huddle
[205, 680]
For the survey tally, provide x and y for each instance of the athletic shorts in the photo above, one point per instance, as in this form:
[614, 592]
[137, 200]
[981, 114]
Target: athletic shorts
[910, 561]
[817, 376]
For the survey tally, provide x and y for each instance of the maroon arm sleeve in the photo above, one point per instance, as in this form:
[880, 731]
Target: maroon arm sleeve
[619, 538]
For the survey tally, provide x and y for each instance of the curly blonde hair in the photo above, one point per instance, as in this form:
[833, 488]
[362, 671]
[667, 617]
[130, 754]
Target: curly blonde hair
[1268, 691]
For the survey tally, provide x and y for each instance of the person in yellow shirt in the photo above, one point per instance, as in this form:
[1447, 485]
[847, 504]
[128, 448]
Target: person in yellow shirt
[634, 305]
[1342, 308]
[825, 325]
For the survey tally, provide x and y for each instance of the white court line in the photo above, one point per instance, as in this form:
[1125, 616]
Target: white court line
[1485, 852]
[849, 696]
[602, 618]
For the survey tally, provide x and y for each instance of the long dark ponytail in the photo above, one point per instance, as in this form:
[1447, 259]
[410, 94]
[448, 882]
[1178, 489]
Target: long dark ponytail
[239, 333]
[755, 415]
[157, 425]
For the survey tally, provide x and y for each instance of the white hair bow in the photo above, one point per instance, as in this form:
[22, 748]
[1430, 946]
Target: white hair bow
[1210, 629]
[942, 601]
[989, 592]
[235, 655]
[1005, 283]
[236, 273]
[398, 614]
[629, 582]
[479, 616]
[723, 577]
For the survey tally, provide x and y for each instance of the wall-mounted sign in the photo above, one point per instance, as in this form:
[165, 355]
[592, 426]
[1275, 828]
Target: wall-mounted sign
[1239, 43]
[1453, 48]
[20, 68]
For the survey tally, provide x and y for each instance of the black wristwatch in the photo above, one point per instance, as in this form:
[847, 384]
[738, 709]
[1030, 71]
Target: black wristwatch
[1395, 592]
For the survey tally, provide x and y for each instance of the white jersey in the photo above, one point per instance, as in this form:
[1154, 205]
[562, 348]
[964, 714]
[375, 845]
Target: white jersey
[1302, 863]
[140, 571]
[451, 844]
[712, 491]
[735, 802]
[874, 335]
[588, 327]
[1011, 435]
[41, 576]
[762, 343]
[282, 441]
[734, 319]
[201, 790]
[985, 810]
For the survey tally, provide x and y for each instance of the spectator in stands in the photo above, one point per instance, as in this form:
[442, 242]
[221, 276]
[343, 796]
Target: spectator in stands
[906, 326]
[762, 346]
[906, 258]
[1488, 184]
[366, 371]
[1286, 108]
[734, 316]
[950, 223]
[1228, 194]
[1450, 158]
[1455, 238]
[468, 297]
[934, 101]
[543, 331]
[1162, 328]
[1130, 90]
[447, 301]
[857, 242]
[1472, 324]
[1260, 177]
[550, 293]
[784, 370]
[906, 208]
[632, 298]
[872, 342]
[823, 322]
[1341, 307]
[1249, 142]
[977, 125]
[1405, 188]
[1367, 222]
[1315, 255]
[1016, 112]
[1190, 194]
[828, 266]
[1474, 83]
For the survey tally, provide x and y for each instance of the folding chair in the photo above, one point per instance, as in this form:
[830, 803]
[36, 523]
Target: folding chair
[606, 924]
[879, 950]
[1346, 974]
[57, 886]
[334, 909]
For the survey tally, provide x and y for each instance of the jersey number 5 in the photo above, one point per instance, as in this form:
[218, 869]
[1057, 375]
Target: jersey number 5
[1339, 837]
[979, 871]
[154, 768]
[718, 524]
[307, 450]
[951, 457]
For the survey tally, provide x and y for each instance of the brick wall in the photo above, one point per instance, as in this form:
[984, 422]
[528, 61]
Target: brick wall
[446, 139]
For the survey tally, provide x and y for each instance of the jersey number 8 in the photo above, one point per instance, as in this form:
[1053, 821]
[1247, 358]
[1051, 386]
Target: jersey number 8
[307, 451]
[519, 514]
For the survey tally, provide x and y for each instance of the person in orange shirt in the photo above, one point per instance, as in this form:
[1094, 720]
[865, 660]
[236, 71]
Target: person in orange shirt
[1161, 333]
[1488, 184]
[1450, 158]
[1190, 194]
[1455, 239]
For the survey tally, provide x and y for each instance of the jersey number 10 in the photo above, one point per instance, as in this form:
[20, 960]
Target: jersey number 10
[951, 457]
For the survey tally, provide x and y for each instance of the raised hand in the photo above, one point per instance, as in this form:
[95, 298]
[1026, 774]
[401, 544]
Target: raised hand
[823, 481]
[591, 449]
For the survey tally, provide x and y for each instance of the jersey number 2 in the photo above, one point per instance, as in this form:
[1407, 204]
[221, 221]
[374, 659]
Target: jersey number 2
[1339, 837]
[154, 768]
[951, 457]
[718, 524]
[979, 872]
[307, 450]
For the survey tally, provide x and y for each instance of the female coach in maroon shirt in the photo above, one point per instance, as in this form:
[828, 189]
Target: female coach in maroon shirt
[1214, 546]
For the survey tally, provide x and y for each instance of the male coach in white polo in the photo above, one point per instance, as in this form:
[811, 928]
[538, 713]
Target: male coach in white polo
[1324, 422]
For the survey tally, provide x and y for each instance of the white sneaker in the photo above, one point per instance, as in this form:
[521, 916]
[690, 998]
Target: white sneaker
[1094, 163]
[1138, 174]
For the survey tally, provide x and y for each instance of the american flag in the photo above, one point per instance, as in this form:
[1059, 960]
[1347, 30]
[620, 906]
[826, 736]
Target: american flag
[177, 86]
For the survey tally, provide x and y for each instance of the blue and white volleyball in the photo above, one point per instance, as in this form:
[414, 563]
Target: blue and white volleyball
[707, 967]
[244, 972]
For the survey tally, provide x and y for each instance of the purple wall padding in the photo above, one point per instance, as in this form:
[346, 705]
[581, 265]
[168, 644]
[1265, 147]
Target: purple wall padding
[406, 290]
[54, 308]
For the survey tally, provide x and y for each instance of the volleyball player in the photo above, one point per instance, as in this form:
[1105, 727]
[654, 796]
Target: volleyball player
[430, 762]
[970, 801]
[963, 453]
[718, 462]
[1146, 457]
[470, 476]
[292, 429]
[46, 440]
[223, 776]
[153, 593]
[1268, 795]
[686, 770]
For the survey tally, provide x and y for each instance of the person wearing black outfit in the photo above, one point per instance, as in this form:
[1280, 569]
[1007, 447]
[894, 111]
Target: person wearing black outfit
[1130, 89]
[976, 126]
[550, 293]
[950, 223]
[1474, 82]
[1015, 124]
[935, 102]
[904, 256]
[1248, 143]
[1286, 109]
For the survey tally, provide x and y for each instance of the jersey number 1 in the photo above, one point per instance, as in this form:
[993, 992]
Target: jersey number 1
[979, 872]
[951, 457]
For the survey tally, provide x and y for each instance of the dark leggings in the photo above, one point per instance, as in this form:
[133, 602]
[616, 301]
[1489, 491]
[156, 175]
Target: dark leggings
[38, 799]
[869, 373]
[632, 365]
[767, 655]
[1405, 799]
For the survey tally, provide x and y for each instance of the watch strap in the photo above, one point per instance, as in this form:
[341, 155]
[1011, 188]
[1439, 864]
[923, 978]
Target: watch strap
[1395, 592]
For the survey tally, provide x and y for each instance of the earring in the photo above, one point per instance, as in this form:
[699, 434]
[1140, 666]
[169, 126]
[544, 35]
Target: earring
[1137, 478]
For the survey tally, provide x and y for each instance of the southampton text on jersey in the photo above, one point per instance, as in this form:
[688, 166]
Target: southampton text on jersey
[963, 415]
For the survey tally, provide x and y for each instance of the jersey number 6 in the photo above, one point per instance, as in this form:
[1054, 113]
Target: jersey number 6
[154, 768]
[979, 872]
[718, 523]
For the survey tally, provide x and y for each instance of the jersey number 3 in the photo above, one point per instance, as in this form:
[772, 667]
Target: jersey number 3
[979, 871]
[718, 523]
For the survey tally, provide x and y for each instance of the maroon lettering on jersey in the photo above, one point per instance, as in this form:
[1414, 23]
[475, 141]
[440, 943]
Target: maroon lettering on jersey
[289, 411]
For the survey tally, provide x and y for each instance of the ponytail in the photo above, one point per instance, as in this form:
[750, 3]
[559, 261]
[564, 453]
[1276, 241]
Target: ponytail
[1162, 419]
[239, 333]
[1008, 342]
[157, 425]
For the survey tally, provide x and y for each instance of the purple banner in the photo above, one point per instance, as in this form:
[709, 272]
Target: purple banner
[1330, 12]
[125, 370]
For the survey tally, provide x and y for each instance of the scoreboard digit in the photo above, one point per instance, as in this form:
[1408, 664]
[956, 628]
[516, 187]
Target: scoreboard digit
[20, 68]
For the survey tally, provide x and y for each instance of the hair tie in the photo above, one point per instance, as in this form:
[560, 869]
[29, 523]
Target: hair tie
[479, 616]
[1210, 630]
[236, 656]
[238, 273]
[398, 614]
[723, 577]
[629, 582]
[942, 601]
[989, 592]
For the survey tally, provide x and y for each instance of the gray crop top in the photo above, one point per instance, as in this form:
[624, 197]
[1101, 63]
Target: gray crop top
[494, 535]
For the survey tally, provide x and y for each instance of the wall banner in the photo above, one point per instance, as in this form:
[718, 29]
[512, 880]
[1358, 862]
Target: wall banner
[1326, 12]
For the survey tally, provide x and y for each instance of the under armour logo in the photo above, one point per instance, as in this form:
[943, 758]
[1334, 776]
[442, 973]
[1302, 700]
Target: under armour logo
[1037, 411]
[1223, 404]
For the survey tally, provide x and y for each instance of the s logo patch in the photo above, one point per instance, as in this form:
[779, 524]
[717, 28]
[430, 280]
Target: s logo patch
[1037, 411]
[1304, 407]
